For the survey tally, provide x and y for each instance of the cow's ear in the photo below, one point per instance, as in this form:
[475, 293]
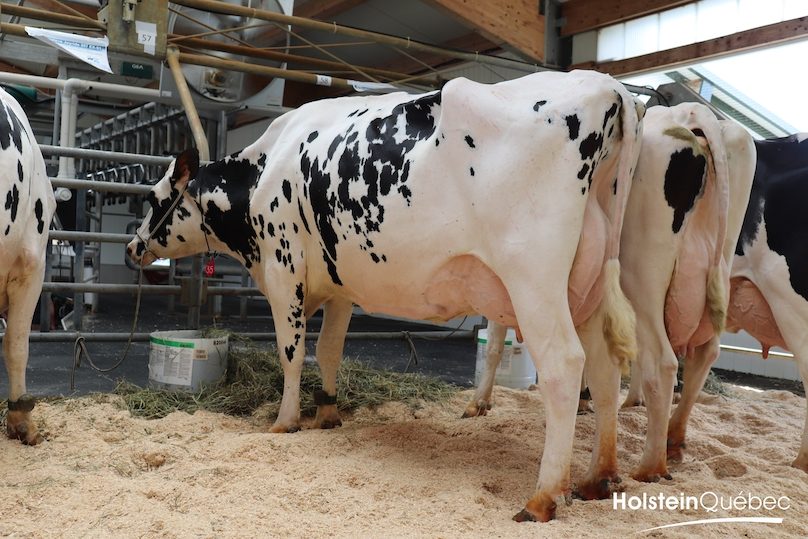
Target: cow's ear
[185, 168]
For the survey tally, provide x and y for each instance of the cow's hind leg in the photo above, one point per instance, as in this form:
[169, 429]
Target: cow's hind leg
[658, 373]
[697, 367]
[559, 359]
[634, 396]
[481, 401]
[23, 291]
[604, 374]
[330, 344]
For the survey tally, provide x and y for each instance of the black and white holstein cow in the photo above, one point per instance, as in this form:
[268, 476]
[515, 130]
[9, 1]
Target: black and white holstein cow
[682, 221]
[24, 224]
[468, 199]
[769, 283]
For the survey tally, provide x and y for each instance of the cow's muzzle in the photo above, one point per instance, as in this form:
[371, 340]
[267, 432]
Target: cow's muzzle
[139, 253]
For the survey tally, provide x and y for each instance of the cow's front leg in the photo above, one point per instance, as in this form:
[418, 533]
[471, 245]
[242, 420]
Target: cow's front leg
[697, 367]
[481, 401]
[330, 344]
[604, 374]
[290, 327]
[23, 294]
[801, 462]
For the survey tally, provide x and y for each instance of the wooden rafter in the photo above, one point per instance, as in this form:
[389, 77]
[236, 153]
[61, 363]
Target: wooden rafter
[516, 23]
[584, 15]
[772, 34]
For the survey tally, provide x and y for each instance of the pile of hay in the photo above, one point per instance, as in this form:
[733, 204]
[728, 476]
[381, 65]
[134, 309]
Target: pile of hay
[254, 379]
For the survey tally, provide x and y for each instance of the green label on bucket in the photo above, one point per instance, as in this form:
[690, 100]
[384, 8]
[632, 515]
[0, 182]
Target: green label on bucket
[175, 344]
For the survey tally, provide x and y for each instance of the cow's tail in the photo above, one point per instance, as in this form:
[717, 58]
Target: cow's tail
[718, 174]
[619, 325]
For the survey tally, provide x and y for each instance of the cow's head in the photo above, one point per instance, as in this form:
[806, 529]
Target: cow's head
[173, 227]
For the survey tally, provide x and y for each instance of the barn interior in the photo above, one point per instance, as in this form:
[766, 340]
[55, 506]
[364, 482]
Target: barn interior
[214, 74]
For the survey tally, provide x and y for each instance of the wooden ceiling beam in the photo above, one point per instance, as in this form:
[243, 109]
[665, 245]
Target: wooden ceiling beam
[584, 15]
[764, 36]
[516, 23]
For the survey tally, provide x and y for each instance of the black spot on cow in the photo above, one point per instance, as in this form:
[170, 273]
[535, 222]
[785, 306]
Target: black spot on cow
[469, 141]
[334, 145]
[11, 129]
[539, 104]
[287, 190]
[274, 204]
[312, 136]
[290, 352]
[367, 169]
[39, 212]
[437, 142]
[613, 110]
[278, 255]
[583, 190]
[471, 171]
[302, 216]
[295, 228]
[779, 191]
[13, 202]
[299, 292]
[19, 171]
[583, 171]
[574, 125]
[684, 181]
[591, 145]
[375, 257]
[236, 178]
[8, 229]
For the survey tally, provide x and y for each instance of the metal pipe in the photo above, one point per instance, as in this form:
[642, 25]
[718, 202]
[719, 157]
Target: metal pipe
[299, 76]
[157, 289]
[50, 16]
[68, 336]
[126, 188]
[172, 57]
[105, 237]
[332, 27]
[120, 157]
[199, 43]
[101, 88]
[753, 351]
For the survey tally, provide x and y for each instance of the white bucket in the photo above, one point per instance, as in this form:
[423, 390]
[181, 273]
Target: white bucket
[516, 370]
[184, 360]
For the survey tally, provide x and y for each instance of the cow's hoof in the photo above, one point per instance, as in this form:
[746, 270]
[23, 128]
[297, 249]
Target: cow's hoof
[476, 409]
[651, 476]
[598, 489]
[801, 463]
[327, 417]
[20, 427]
[584, 408]
[675, 451]
[537, 509]
[282, 428]
[633, 403]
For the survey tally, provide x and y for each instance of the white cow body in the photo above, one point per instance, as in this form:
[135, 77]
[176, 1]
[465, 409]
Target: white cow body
[24, 224]
[678, 281]
[470, 199]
